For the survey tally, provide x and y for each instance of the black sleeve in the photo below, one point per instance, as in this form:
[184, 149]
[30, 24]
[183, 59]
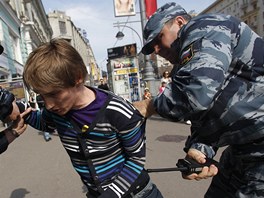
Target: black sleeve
[3, 142]
[6, 100]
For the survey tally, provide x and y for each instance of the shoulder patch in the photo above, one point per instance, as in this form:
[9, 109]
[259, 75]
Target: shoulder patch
[186, 55]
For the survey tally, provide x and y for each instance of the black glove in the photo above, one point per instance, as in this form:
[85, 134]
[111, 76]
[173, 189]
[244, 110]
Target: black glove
[6, 106]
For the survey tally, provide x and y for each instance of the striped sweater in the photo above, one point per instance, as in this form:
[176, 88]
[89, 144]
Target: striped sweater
[116, 144]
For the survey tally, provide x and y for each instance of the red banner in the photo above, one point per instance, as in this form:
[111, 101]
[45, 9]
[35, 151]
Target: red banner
[151, 7]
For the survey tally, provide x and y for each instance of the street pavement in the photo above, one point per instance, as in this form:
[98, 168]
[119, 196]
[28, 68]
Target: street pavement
[34, 168]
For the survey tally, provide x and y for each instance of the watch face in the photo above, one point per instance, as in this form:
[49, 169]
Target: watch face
[1, 49]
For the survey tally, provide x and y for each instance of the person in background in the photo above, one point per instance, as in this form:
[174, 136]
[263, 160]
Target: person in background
[147, 94]
[103, 85]
[32, 100]
[9, 112]
[162, 87]
[217, 83]
[103, 134]
[165, 77]
[40, 102]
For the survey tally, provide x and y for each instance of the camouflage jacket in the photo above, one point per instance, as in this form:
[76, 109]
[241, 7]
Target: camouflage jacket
[218, 83]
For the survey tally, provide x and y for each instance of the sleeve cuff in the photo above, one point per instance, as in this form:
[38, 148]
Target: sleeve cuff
[3, 143]
[205, 149]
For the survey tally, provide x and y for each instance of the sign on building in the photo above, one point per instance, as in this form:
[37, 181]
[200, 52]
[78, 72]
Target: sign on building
[124, 8]
[124, 72]
[15, 87]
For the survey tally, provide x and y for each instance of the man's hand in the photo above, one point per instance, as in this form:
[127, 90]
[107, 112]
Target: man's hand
[19, 124]
[206, 171]
[145, 107]
[18, 127]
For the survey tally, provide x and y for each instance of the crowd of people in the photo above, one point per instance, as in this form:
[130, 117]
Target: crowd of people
[216, 83]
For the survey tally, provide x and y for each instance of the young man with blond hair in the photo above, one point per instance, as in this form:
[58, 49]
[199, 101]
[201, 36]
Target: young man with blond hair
[103, 134]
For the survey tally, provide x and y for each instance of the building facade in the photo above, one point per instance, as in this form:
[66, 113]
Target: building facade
[23, 27]
[249, 11]
[63, 27]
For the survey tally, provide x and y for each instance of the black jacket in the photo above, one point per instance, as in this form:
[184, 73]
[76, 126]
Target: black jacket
[6, 108]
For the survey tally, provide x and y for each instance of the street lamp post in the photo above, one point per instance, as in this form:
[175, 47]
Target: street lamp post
[120, 35]
[148, 71]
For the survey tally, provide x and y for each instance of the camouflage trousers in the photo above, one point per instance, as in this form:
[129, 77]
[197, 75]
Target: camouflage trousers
[241, 173]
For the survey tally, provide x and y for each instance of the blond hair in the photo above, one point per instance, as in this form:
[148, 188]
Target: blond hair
[55, 63]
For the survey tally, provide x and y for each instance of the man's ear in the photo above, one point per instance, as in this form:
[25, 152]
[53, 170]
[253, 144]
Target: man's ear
[180, 21]
[79, 81]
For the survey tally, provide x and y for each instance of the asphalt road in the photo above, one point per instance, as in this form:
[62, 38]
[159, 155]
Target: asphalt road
[34, 168]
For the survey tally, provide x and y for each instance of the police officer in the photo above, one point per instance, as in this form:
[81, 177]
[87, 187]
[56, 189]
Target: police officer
[9, 111]
[218, 84]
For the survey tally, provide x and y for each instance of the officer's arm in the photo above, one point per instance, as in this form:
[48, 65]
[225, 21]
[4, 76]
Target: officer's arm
[145, 107]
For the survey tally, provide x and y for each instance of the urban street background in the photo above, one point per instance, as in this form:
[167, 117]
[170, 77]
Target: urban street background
[34, 168]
